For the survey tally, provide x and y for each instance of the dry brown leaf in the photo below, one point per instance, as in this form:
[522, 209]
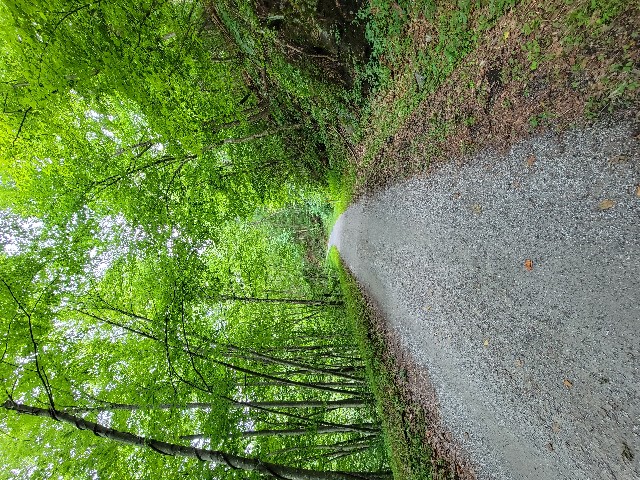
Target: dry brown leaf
[476, 208]
[528, 264]
[531, 161]
[606, 204]
[567, 383]
[638, 191]
[486, 343]
[622, 158]
[627, 454]
[519, 363]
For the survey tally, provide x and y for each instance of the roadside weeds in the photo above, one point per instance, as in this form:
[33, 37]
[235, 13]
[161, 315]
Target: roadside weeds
[418, 444]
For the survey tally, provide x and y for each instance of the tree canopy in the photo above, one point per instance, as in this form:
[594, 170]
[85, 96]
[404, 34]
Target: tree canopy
[159, 281]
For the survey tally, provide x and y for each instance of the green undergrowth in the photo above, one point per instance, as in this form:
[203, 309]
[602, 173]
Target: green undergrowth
[404, 424]
[415, 47]
[339, 193]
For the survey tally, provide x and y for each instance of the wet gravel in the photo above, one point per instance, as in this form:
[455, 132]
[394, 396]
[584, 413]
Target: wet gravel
[515, 281]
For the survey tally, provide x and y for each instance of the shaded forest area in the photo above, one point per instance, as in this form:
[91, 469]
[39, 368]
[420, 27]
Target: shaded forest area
[166, 181]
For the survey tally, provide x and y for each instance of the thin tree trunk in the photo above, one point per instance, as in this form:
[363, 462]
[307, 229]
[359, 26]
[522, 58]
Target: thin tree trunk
[294, 432]
[257, 356]
[309, 421]
[249, 354]
[353, 402]
[157, 163]
[345, 446]
[275, 380]
[131, 407]
[212, 456]
[256, 136]
[291, 301]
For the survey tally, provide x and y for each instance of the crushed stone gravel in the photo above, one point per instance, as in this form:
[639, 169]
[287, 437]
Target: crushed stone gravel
[514, 280]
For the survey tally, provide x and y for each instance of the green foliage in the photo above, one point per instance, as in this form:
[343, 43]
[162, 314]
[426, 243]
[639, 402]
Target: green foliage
[412, 40]
[405, 443]
[161, 181]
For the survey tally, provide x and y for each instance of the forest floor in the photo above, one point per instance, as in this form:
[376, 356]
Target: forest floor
[543, 69]
[543, 65]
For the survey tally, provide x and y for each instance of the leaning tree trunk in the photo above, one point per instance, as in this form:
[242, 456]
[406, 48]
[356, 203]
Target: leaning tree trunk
[212, 456]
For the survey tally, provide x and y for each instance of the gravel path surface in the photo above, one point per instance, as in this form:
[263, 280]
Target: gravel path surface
[515, 280]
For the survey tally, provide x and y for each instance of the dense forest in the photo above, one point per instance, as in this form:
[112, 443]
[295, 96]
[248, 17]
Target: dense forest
[164, 194]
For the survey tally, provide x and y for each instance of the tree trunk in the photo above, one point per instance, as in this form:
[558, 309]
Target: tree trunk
[273, 380]
[250, 354]
[266, 133]
[291, 301]
[340, 447]
[108, 406]
[296, 432]
[329, 405]
[212, 456]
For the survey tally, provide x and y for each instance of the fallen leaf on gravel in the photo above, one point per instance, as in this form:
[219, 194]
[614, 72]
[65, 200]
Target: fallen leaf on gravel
[519, 363]
[606, 204]
[555, 427]
[627, 454]
[567, 383]
[638, 191]
[486, 343]
[476, 208]
[528, 264]
[622, 158]
[531, 161]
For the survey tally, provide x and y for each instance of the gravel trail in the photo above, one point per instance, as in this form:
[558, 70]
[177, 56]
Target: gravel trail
[515, 281]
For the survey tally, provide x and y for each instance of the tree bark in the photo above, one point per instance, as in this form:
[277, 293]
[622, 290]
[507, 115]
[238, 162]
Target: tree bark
[212, 456]
[295, 432]
[301, 404]
[329, 405]
[291, 301]
[252, 354]
[256, 136]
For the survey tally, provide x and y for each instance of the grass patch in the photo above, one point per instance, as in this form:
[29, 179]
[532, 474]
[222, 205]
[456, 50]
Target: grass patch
[406, 424]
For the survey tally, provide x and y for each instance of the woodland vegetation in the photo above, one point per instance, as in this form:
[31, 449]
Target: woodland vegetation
[168, 173]
[162, 280]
